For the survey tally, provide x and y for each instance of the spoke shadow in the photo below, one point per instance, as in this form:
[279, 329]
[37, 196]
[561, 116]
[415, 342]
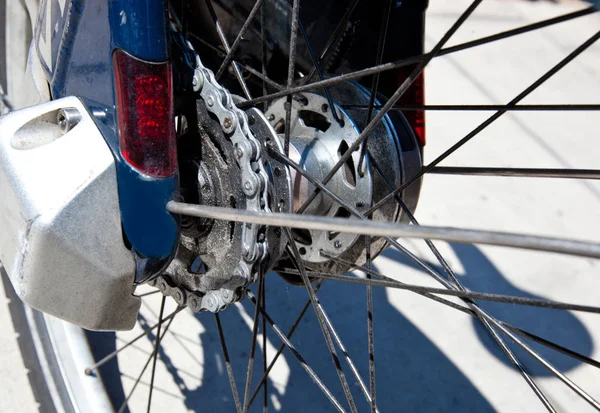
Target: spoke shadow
[559, 326]
[412, 373]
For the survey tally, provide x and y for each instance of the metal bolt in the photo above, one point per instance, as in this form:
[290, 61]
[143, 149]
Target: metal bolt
[67, 118]
[162, 286]
[239, 152]
[227, 295]
[337, 244]
[197, 80]
[211, 302]
[271, 117]
[181, 125]
[248, 186]
[178, 296]
[210, 101]
[227, 123]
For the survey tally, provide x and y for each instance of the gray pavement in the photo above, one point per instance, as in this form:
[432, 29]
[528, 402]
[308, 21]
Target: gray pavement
[428, 357]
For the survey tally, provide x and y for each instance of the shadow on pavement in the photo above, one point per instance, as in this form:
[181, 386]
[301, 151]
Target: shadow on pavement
[412, 374]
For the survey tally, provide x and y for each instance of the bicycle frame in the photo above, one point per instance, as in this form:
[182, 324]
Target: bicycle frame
[75, 41]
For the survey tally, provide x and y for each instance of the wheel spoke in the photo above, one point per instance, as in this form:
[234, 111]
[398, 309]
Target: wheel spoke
[491, 119]
[389, 229]
[225, 43]
[297, 355]
[473, 295]
[370, 335]
[513, 358]
[477, 311]
[416, 59]
[290, 74]
[280, 349]
[335, 36]
[451, 304]
[265, 385]
[250, 368]
[391, 102]
[543, 362]
[321, 317]
[385, 20]
[112, 355]
[236, 397]
[315, 63]
[155, 352]
[148, 293]
[263, 54]
[124, 404]
[518, 172]
[231, 52]
[470, 108]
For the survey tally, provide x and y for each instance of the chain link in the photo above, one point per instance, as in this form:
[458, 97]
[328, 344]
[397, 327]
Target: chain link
[249, 157]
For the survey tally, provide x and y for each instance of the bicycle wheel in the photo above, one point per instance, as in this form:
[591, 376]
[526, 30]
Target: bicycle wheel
[399, 342]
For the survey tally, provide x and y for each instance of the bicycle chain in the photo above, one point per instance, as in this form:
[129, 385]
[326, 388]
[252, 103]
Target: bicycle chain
[248, 154]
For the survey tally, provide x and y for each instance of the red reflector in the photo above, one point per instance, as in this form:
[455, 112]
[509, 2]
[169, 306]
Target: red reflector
[145, 114]
[414, 96]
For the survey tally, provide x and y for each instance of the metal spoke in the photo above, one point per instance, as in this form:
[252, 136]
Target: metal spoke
[385, 20]
[416, 59]
[458, 286]
[263, 54]
[491, 119]
[124, 404]
[236, 397]
[147, 294]
[473, 295]
[451, 304]
[264, 346]
[391, 102]
[509, 353]
[542, 361]
[341, 26]
[518, 172]
[231, 52]
[370, 335]
[315, 63]
[112, 355]
[225, 44]
[290, 333]
[261, 76]
[155, 352]
[390, 229]
[296, 354]
[321, 317]
[470, 108]
[250, 368]
[290, 74]
[249, 69]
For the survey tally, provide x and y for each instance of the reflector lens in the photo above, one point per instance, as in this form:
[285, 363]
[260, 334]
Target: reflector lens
[145, 114]
[414, 96]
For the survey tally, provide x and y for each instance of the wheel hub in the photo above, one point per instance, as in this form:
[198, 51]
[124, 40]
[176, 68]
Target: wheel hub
[216, 259]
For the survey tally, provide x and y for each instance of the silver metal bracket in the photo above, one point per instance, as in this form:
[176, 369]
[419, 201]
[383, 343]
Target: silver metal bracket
[60, 223]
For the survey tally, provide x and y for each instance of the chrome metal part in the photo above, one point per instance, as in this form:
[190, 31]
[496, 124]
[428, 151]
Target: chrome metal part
[280, 183]
[232, 172]
[395, 230]
[61, 223]
[391, 148]
[67, 119]
[318, 141]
